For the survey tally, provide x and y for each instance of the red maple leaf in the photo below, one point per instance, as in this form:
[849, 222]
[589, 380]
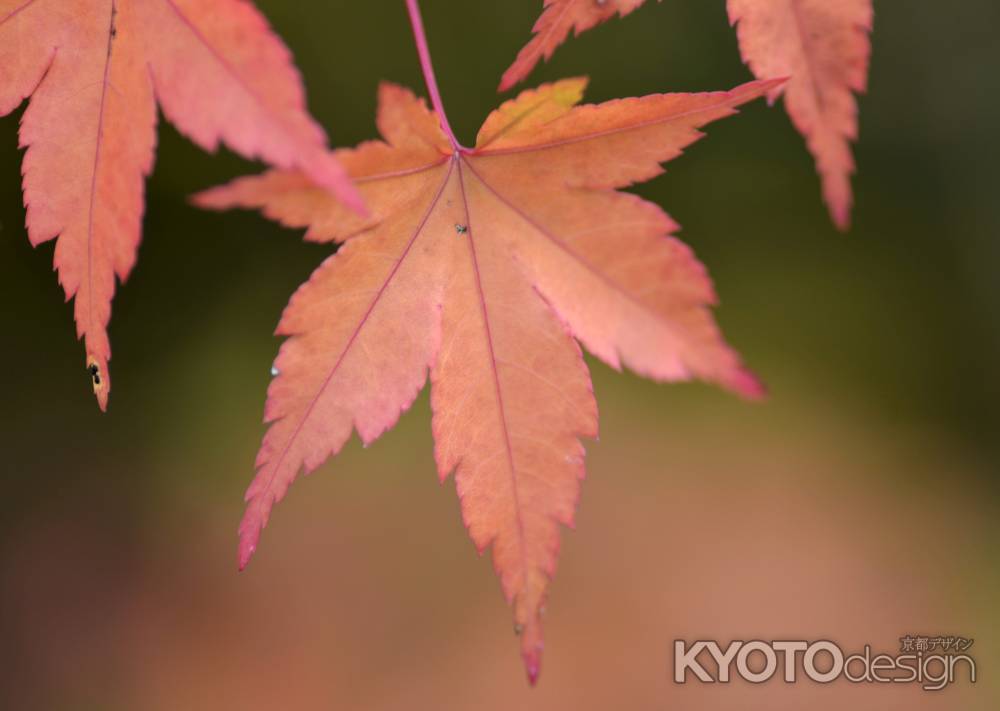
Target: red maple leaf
[822, 46]
[95, 70]
[484, 267]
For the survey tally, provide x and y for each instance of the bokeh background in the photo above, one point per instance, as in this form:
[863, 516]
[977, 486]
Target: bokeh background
[860, 503]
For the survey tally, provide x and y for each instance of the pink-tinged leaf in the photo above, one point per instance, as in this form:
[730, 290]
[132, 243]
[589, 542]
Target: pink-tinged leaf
[225, 50]
[511, 397]
[482, 265]
[92, 68]
[823, 47]
[557, 20]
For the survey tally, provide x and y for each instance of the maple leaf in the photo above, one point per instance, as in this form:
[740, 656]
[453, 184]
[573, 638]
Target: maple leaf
[480, 266]
[822, 46]
[558, 19]
[94, 70]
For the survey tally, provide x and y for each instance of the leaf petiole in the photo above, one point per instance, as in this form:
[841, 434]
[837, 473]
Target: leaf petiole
[427, 67]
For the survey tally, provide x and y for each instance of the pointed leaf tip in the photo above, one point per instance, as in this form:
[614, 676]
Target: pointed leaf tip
[327, 171]
[247, 549]
[840, 212]
[532, 663]
[533, 672]
[97, 369]
[747, 385]
[249, 531]
[532, 644]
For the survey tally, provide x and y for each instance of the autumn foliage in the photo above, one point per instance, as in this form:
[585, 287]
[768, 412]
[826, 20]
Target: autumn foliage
[481, 266]
[95, 71]
[822, 47]
[484, 269]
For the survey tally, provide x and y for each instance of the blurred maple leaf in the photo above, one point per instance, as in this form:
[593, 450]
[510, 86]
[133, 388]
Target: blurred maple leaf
[822, 46]
[95, 70]
[481, 266]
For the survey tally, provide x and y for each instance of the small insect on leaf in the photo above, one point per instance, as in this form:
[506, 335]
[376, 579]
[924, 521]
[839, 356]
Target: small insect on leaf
[96, 369]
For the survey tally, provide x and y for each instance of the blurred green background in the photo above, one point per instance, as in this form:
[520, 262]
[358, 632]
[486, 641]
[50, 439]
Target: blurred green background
[859, 503]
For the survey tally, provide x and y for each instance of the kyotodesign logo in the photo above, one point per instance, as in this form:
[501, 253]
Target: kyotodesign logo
[932, 662]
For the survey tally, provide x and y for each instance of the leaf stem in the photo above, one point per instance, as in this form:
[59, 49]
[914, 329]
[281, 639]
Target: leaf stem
[428, 68]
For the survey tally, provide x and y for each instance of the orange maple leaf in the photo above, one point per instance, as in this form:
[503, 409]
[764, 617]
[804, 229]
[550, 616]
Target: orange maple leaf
[481, 266]
[822, 46]
[94, 70]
